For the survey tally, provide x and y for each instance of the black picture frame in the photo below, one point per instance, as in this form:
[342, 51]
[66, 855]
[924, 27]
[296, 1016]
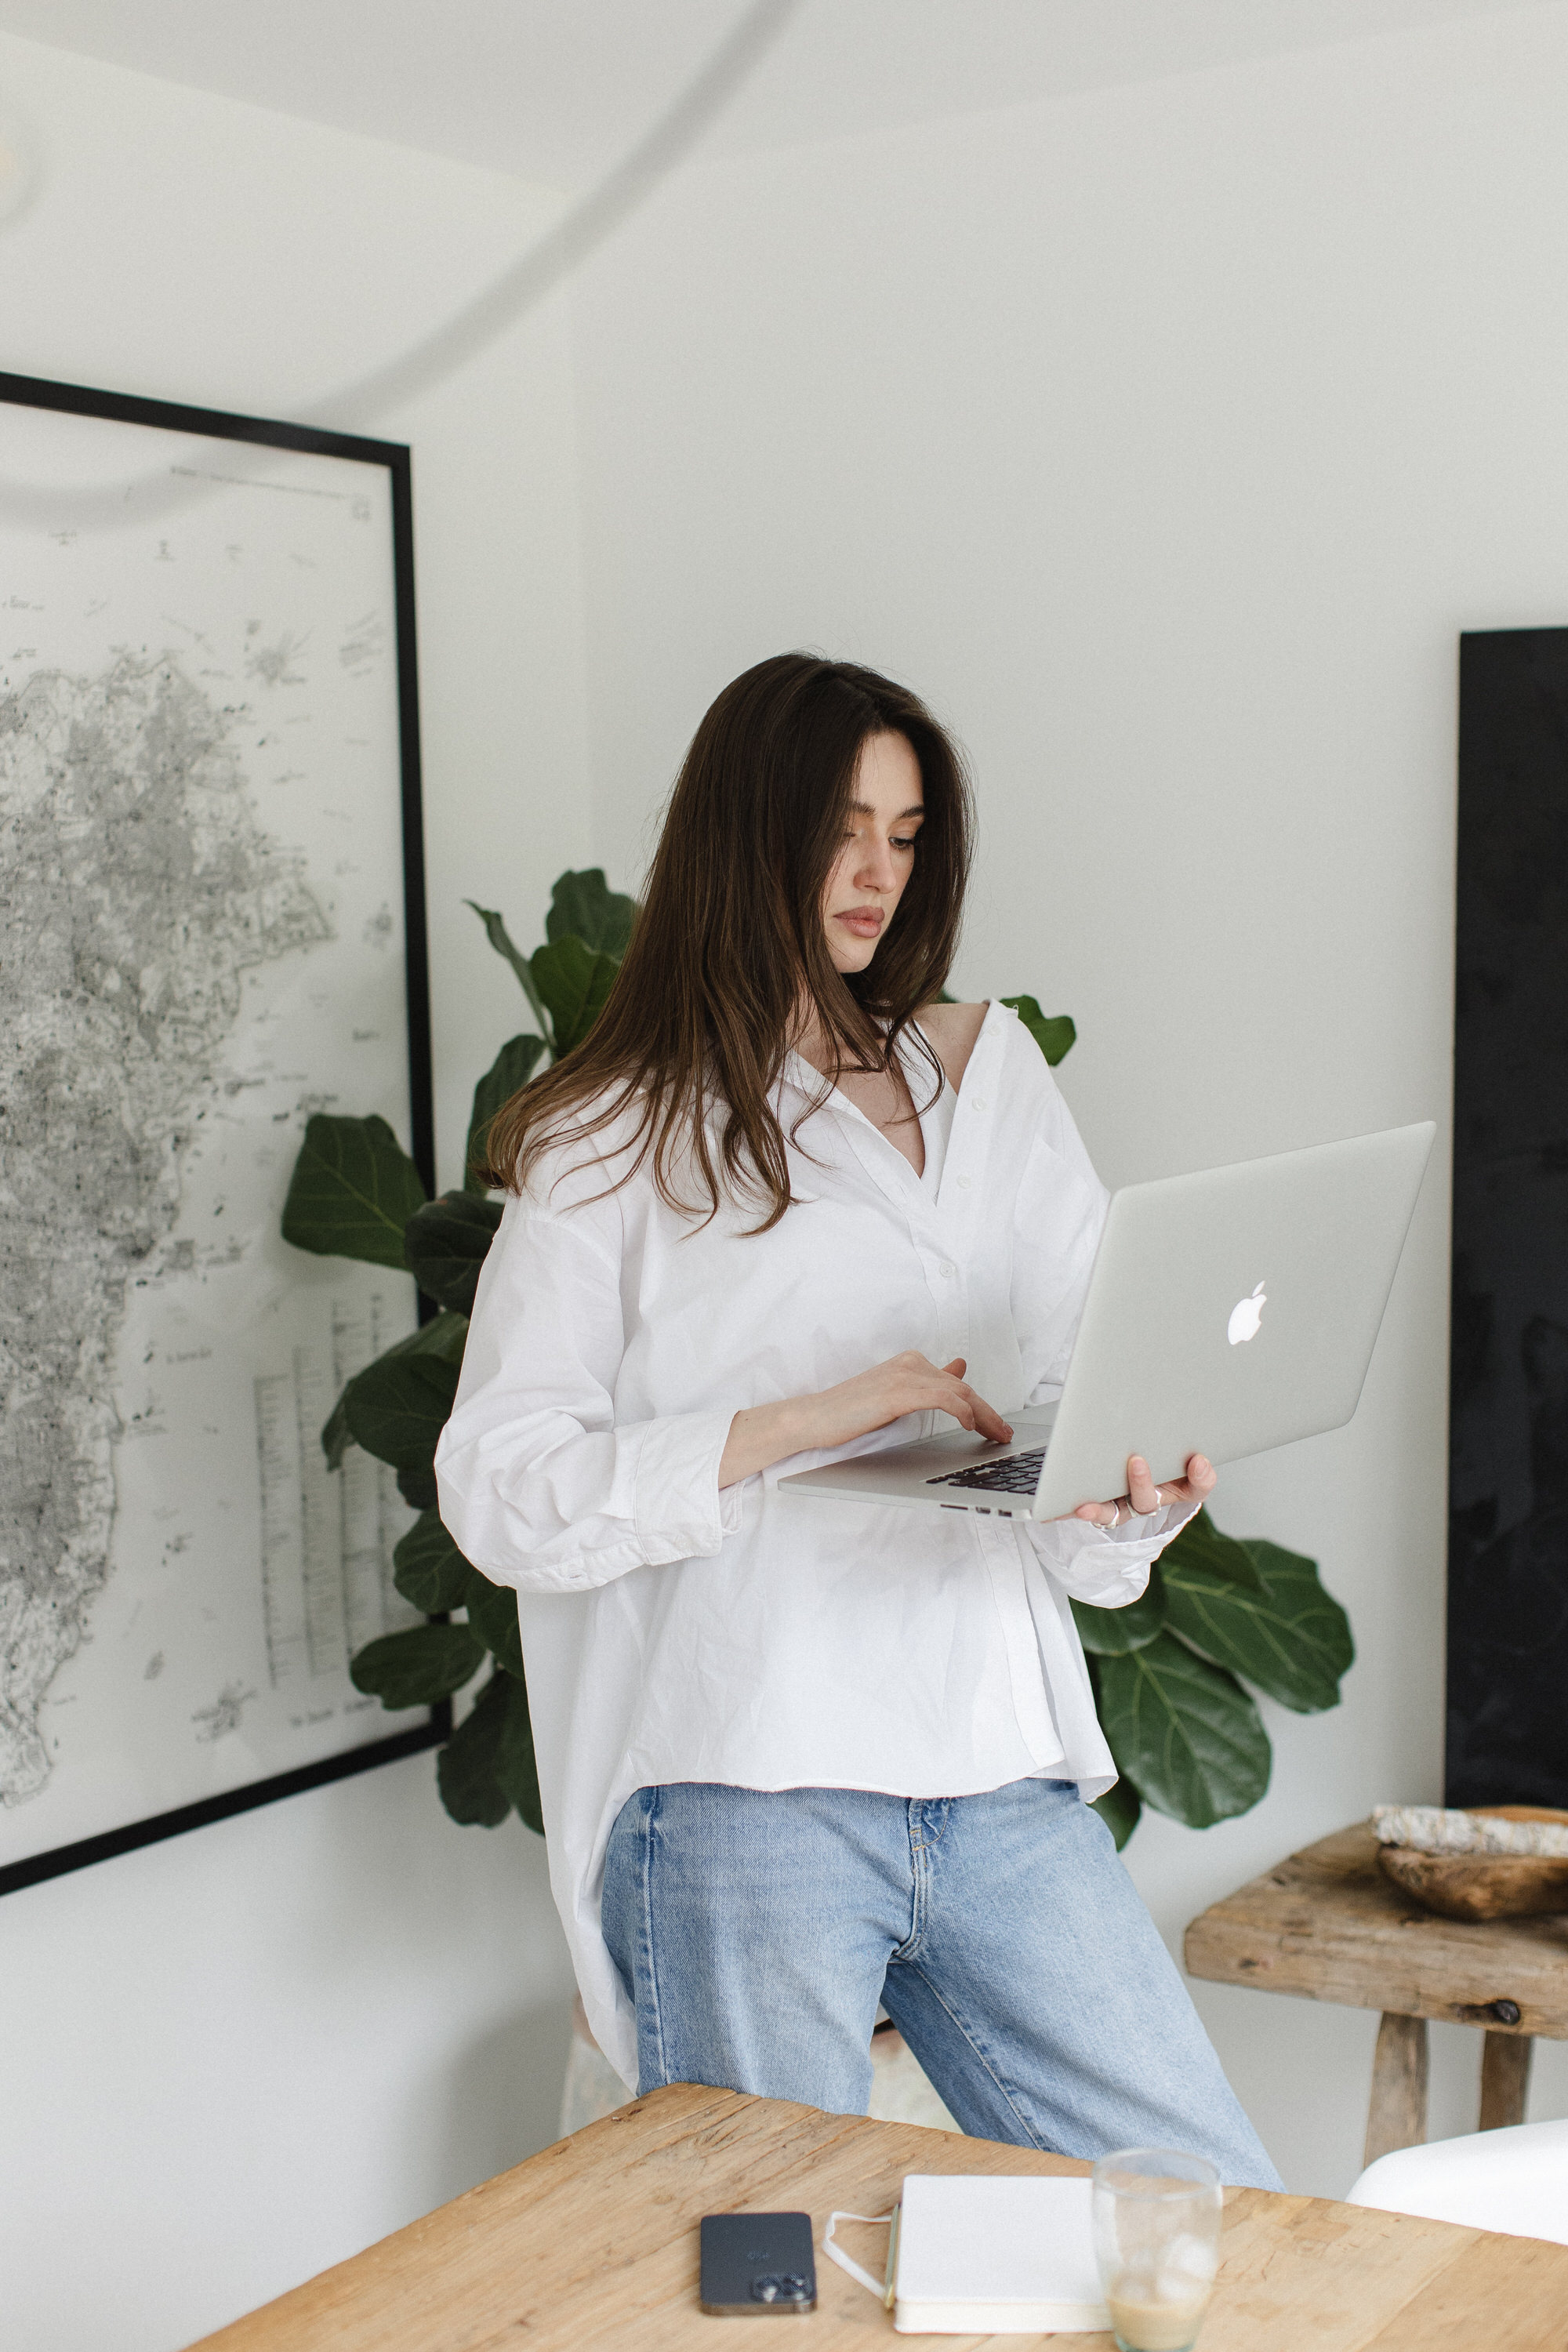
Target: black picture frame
[395, 458]
[1508, 1523]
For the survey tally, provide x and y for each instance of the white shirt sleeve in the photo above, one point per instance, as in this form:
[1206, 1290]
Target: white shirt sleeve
[539, 1485]
[1105, 1567]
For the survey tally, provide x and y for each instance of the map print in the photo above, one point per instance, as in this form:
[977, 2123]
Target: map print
[200, 943]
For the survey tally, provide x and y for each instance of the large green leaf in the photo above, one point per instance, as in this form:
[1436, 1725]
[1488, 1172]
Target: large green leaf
[427, 1568]
[574, 981]
[1200, 1545]
[487, 1767]
[1184, 1732]
[511, 1071]
[448, 1240]
[1054, 1034]
[418, 1666]
[516, 1768]
[444, 1336]
[466, 1767]
[1121, 1809]
[501, 940]
[352, 1191]
[1111, 1632]
[492, 1613]
[399, 1414]
[336, 1434]
[583, 907]
[1292, 1639]
[397, 1407]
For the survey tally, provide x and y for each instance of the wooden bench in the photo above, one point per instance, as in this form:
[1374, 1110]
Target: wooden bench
[1326, 1924]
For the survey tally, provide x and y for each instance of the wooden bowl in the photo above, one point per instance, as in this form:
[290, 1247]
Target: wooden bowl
[1483, 1886]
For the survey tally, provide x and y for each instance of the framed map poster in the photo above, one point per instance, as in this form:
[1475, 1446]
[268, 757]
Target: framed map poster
[211, 926]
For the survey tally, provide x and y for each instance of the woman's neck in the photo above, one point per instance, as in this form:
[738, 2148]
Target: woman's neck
[810, 1039]
[882, 1096]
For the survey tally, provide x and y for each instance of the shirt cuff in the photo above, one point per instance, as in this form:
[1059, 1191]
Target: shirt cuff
[680, 1511]
[1108, 1567]
[1152, 1527]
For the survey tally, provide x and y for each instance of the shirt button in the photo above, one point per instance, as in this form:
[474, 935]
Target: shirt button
[964, 1183]
[948, 1272]
[979, 1102]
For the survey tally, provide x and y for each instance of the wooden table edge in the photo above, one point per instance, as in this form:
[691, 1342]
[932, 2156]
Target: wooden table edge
[789, 2152]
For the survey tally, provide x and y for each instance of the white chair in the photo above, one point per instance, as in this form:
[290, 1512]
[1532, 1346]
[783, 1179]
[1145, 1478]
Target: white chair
[1515, 2180]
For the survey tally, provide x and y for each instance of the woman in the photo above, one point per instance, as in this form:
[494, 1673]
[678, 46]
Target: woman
[795, 1757]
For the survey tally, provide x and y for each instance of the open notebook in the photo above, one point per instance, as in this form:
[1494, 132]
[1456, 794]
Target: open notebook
[1008, 2256]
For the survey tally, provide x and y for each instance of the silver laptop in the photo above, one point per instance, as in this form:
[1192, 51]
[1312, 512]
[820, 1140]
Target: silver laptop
[1227, 1312]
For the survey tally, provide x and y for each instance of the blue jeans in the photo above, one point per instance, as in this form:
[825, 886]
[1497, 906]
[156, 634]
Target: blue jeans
[757, 1933]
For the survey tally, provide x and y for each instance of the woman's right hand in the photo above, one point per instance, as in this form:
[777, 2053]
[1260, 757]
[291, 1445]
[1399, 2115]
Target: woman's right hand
[765, 1433]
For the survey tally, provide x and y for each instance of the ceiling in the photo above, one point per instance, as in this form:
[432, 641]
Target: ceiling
[556, 89]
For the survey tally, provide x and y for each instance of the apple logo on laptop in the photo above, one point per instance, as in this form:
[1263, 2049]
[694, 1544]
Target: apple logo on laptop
[1245, 1318]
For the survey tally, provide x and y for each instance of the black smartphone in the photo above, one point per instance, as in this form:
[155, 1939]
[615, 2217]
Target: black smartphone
[754, 2264]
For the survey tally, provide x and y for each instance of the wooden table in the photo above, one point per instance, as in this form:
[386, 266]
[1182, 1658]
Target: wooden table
[1328, 1926]
[595, 2242]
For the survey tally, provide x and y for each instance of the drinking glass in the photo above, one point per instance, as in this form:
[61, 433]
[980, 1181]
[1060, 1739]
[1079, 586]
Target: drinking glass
[1156, 2241]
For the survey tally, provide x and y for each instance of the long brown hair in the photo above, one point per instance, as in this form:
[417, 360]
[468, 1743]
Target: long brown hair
[729, 938]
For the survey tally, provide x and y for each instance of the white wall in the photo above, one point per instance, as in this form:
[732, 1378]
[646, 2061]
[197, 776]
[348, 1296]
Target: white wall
[1165, 438]
[237, 2057]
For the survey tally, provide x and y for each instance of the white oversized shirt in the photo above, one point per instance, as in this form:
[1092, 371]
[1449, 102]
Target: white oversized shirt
[673, 1631]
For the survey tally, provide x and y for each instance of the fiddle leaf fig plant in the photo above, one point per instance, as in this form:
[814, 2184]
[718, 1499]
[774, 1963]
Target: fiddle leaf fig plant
[1168, 1672]
[356, 1192]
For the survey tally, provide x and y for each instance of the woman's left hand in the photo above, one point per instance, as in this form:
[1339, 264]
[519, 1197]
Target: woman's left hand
[1142, 1496]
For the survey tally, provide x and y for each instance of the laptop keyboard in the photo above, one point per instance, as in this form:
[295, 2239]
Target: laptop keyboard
[1019, 1475]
